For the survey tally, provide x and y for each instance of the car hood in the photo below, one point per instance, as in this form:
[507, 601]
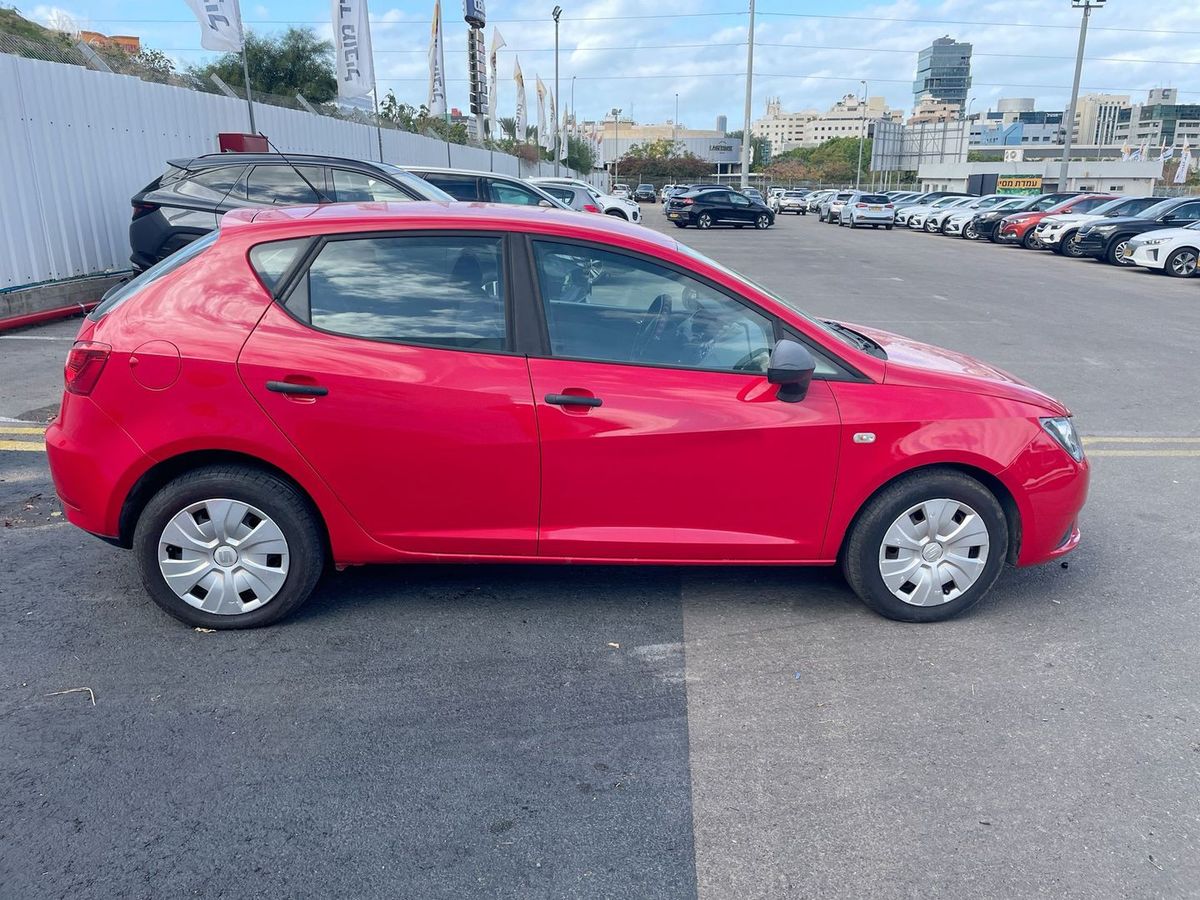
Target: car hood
[1065, 218]
[1121, 221]
[1170, 234]
[925, 365]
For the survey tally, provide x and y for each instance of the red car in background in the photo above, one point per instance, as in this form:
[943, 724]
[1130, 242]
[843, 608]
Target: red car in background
[1019, 228]
[316, 387]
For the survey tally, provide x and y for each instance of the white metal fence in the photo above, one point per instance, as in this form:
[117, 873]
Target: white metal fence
[76, 144]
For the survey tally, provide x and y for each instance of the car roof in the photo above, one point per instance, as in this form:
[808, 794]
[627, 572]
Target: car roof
[445, 170]
[377, 216]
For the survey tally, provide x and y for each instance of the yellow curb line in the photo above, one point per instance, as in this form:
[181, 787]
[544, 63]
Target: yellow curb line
[29, 446]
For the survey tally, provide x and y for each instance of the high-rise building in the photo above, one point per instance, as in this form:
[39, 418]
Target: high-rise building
[722, 124]
[1096, 117]
[943, 72]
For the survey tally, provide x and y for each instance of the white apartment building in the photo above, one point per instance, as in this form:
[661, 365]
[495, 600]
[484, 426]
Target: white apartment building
[1097, 117]
[785, 130]
[846, 118]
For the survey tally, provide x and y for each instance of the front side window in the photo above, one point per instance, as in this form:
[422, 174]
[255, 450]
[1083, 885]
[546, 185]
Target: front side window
[443, 291]
[284, 185]
[610, 307]
[739, 200]
[1189, 212]
[358, 187]
[460, 187]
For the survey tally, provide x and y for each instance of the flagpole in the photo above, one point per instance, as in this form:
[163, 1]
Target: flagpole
[245, 66]
[378, 116]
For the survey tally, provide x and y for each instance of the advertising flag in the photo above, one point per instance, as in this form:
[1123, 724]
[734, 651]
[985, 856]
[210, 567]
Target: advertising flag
[352, 45]
[550, 134]
[520, 82]
[543, 131]
[1185, 161]
[220, 23]
[436, 101]
[493, 84]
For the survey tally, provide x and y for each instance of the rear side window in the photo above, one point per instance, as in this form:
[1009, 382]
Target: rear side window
[358, 187]
[122, 292]
[566, 195]
[283, 185]
[441, 291]
[272, 260]
[211, 185]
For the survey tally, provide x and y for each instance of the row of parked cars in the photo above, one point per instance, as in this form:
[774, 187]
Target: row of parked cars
[1155, 232]
[189, 198]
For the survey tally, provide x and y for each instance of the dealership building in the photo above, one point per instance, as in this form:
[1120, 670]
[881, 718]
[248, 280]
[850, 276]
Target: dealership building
[724, 153]
[1041, 176]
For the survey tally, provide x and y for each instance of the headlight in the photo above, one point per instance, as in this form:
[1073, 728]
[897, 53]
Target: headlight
[1150, 241]
[1062, 429]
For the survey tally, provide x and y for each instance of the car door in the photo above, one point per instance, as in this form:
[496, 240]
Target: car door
[1182, 215]
[661, 438]
[388, 363]
[740, 208]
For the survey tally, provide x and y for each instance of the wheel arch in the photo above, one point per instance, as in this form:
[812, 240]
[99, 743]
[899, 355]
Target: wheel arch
[1012, 513]
[158, 475]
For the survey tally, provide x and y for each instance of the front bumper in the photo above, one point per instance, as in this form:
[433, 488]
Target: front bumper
[1050, 489]
[1010, 235]
[1090, 245]
[1050, 237]
[1149, 255]
[953, 227]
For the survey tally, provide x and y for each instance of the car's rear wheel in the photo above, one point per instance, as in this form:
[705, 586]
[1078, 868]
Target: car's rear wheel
[763, 221]
[1181, 263]
[618, 214]
[704, 220]
[229, 546]
[927, 547]
[1116, 252]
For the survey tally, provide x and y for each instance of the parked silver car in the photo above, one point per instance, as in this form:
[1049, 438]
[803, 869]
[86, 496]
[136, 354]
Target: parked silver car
[867, 209]
[814, 199]
[792, 202]
[831, 206]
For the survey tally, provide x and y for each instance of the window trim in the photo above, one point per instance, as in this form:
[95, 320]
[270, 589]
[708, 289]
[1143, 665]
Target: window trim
[780, 328]
[288, 284]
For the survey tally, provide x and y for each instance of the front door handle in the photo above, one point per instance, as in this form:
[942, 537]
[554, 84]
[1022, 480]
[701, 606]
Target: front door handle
[573, 400]
[303, 390]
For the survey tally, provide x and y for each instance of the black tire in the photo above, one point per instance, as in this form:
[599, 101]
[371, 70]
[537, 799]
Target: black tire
[1068, 247]
[290, 510]
[1030, 241]
[704, 221]
[616, 213]
[1113, 253]
[762, 222]
[680, 224]
[970, 233]
[1181, 263]
[860, 559]
[889, 227]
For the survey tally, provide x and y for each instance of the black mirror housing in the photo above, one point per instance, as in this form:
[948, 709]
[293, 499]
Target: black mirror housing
[791, 367]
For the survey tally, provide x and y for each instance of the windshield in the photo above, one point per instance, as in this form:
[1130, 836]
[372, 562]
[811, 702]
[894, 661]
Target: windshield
[1105, 208]
[416, 183]
[986, 202]
[1158, 209]
[947, 201]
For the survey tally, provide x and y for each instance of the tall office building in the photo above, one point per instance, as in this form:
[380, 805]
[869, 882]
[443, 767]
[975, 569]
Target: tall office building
[943, 73]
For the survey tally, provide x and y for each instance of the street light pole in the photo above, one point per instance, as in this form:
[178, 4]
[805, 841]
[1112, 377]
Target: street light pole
[556, 12]
[616, 114]
[862, 133]
[1069, 119]
[749, 99]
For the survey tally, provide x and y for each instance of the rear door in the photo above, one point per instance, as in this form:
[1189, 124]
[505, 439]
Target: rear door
[661, 438]
[389, 365]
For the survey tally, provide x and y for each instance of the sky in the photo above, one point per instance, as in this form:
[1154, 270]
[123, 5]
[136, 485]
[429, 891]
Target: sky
[807, 52]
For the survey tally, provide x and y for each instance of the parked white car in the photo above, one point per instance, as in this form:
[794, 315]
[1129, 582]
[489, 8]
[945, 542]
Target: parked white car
[936, 220]
[867, 209]
[916, 216]
[621, 191]
[790, 201]
[609, 205]
[1058, 233]
[1172, 251]
[958, 223]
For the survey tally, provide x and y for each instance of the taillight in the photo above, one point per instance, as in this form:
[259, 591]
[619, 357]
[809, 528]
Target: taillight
[143, 209]
[85, 362]
[887, 206]
[860, 206]
[687, 201]
[591, 207]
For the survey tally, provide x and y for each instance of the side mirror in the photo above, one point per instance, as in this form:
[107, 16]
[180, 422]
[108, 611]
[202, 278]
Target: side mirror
[791, 367]
[1169, 217]
[546, 203]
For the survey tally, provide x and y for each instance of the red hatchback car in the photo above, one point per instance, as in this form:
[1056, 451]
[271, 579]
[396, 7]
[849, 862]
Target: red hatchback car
[421, 382]
[1021, 228]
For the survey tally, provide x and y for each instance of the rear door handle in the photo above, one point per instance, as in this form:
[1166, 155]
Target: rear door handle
[573, 400]
[303, 390]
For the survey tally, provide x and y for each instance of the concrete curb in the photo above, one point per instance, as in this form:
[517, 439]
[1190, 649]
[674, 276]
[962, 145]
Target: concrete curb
[56, 300]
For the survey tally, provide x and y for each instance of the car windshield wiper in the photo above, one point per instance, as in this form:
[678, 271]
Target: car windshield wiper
[863, 342]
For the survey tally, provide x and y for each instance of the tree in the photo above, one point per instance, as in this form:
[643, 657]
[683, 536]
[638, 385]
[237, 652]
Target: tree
[297, 62]
[833, 162]
[581, 155]
[407, 117]
[758, 148]
[662, 160]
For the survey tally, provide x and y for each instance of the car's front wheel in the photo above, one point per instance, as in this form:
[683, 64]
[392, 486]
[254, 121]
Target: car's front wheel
[763, 221]
[1181, 263]
[1116, 252]
[229, 546]
[927, 547]
[618, 214]
[970, 232]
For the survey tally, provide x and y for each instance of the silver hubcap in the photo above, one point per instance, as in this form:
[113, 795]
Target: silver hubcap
[1184, 263]
[1119, 253]
[934, 552]
[971, 232]
[762, 222]
[704, 222]
[223, 557]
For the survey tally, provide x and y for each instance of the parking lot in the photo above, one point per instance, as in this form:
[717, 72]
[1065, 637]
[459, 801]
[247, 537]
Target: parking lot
[654, 732]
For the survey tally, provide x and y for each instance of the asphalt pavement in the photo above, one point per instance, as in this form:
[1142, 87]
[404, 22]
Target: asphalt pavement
[656, 732]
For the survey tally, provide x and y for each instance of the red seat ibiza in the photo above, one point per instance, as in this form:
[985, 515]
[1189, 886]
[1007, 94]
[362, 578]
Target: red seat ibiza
[468, 383]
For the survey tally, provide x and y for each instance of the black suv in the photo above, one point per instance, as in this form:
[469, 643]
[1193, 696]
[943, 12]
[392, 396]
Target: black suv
[645, 193]
[718, 206]
[188, 199]
[1106, 238]
[987, 223]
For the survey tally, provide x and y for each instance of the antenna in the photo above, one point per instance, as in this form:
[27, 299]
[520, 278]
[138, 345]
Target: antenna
[321, 195]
